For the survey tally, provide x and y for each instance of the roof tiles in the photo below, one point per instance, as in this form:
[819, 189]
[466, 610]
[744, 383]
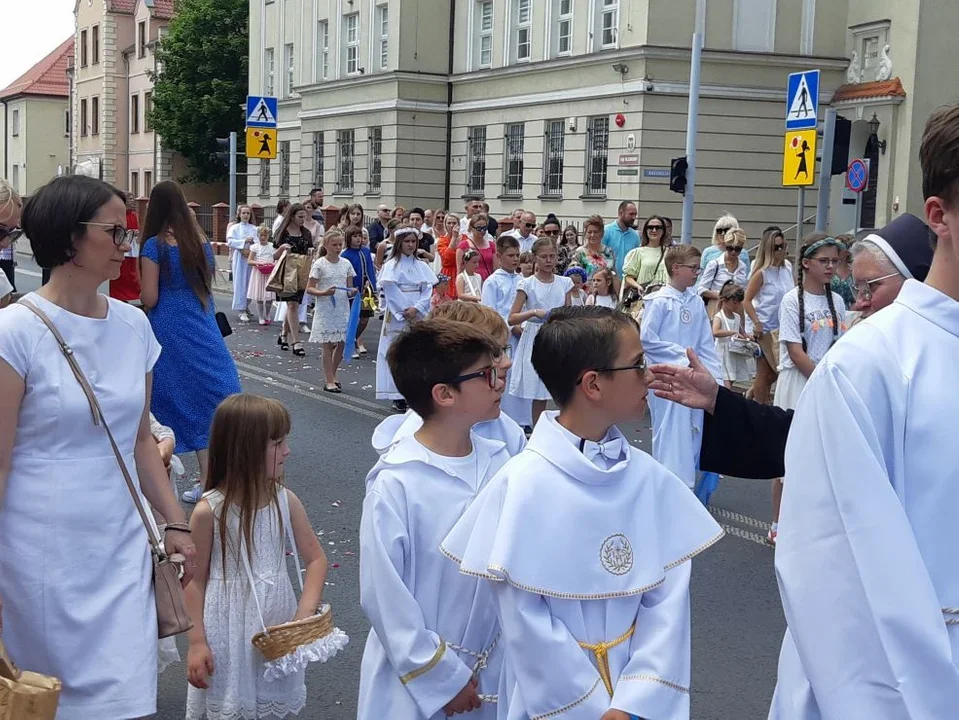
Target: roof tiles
[47, 77]
[870, 90]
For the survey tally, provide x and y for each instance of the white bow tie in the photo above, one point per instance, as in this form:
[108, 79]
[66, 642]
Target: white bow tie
[613, 449]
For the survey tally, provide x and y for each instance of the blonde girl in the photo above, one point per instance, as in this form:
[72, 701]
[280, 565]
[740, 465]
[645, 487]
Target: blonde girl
[728, 324]
[331, 283]
[602, 289]
[244, 516]
[261, 260]
[469, 283]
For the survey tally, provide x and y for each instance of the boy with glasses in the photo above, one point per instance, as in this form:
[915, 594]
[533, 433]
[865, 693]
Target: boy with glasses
[434, 646]
[585, 540]
[674, 318]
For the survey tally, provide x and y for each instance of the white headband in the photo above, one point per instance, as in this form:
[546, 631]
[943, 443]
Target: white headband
[399, 232]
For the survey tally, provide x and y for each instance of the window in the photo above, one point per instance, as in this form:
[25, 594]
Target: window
[147, 109]
[513, 167]
[15, 122]
[264, 178]
[135, 113]
[563, 42]
[553, 151]
[95, 116]
[284, 153]
[606, 29]
[83, 48]
[522, 37]
[66, 123]
[323, 50]
[476, 178]
[289, 69]
[319, 153]
[376, 160]
[135, 184]
[142, 39]
[268, 70]
[597, 149]
[95, 40]
[351, 31]
[383, 13]
[16, 178]
[83, 117]
[754, 25]
[147, 182]
[344, 161]
[483, 39]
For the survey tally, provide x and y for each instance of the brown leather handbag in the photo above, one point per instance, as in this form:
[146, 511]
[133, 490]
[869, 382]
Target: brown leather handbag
[172, 617]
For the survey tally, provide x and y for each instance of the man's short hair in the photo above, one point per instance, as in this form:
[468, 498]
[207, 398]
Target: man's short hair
[432, 352]
[473, 199]
[315, 190]
[625, 204]
[506, 242]
[681, 255]
[479, 316]
[573, 341]
[939, 155]
[418, 211]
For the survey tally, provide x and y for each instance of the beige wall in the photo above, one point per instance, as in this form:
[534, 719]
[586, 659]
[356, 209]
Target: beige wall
[47, 143]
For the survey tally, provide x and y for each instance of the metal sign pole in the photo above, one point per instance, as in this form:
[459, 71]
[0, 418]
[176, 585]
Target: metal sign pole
[692, 123]
[799, 219]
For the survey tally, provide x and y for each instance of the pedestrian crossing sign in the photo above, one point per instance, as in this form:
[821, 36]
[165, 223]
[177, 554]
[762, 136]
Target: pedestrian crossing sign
[799, 158]
[802, 100]
[261, 143]
[260, 111]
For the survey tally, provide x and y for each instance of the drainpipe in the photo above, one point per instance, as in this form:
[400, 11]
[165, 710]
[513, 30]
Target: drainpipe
[449, 107]
[6, 148]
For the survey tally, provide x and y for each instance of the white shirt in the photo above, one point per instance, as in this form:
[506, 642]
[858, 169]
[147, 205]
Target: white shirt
[777, 281]
[717, 274]
[525, 243]
[818, 328]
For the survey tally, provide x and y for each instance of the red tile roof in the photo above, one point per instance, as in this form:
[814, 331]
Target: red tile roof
[162, 9]
[868, 90]
[121, 6]
[47, 77]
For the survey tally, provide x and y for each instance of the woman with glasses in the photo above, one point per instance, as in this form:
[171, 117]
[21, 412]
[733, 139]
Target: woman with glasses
[76, 575]
[728, 266]
[479, 240]
[644, 265]
[9, 232]
[771, 279]
[564, 252]
[196, 371]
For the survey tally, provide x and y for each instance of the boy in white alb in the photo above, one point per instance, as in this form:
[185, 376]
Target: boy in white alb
[674, 318]
[592, 595]
[499, 292]
[434, 647]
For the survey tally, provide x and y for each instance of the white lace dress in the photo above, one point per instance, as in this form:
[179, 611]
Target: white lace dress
[238, 690]
[331, 314]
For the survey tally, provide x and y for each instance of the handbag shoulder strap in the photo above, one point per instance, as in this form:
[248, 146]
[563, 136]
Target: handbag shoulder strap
[284, 500]
[99, 419]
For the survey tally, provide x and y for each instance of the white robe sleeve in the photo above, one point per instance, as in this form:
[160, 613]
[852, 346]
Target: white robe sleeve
[656, 348]
[490, 294]
[860, 604]
[553, 674]
[431, 673]
[235, 239]
[396, 300]
[655, 681]
[423, 304]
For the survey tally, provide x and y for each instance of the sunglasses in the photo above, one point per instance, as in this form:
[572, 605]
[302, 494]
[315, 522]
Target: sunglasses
[654, 228]
[479, 228]
[10, 232]
[779, 246]
[120, 234]
[736, 250]
[639, 367]
[489, 372]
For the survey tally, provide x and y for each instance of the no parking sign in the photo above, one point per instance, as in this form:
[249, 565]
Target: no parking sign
[857, 176]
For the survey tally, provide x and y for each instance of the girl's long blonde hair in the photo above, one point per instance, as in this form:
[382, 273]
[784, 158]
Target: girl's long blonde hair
[243, 427]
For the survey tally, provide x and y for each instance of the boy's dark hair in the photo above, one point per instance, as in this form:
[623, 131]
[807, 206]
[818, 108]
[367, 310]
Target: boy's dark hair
[431, 352]
[418, 211]
[573, 341]
[682, 255]
[506, 242]
[939, 155]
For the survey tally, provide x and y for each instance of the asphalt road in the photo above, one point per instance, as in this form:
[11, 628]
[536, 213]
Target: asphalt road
[737, 621]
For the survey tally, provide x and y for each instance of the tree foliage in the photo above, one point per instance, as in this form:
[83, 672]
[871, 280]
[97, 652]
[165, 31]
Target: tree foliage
[200, 89]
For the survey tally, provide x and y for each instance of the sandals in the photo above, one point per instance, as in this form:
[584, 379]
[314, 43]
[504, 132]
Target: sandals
[281, 341]
[361, 350]
[332, 388]
[298, 349]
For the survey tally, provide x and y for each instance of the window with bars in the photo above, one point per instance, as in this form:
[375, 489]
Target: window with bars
[483, 34]
[283, 151]
[323, 50]
[344, 161]
[319, 154]
[608, 35]
[513, 161]
[376, 160]
[554, 148]
[351, 32]
[264, 178]
[597, 150]
[476, 178]
[268, 72]
[523, 30]
[290, 67]
[383, 21]
[564, 27]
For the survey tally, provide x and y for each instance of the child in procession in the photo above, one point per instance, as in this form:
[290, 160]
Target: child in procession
[441, 293]
[593, 596]
[580, 280]
[536, 296]
[240, 237]
[331, 283]
[728, 324]
[674, 318]
[469, 283]
[407, 286]
[364, 279]
[238, 527]
[433, 649]
[262, 263]
[499, 292]
[602, 289]
[526, 263]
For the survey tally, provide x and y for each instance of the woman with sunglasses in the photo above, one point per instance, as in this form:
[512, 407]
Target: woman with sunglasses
[724, 224]
[729, 266]
[479, 240]
[771, 279]
[644, 265]
[10, 204]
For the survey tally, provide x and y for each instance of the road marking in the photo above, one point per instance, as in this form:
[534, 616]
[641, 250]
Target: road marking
[29, 273]
[732, 516]
[258, 377]
[746, 535]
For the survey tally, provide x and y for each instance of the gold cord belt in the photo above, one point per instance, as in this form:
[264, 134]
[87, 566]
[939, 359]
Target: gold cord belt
[601, 653]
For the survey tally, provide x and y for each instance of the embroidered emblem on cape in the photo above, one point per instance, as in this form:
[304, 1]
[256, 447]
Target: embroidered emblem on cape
[686, 316]
[616, 555]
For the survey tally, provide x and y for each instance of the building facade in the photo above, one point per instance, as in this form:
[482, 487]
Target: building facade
[571, 106]
[36, 122]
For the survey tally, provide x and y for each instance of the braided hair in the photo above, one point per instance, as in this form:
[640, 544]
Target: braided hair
[808, 243]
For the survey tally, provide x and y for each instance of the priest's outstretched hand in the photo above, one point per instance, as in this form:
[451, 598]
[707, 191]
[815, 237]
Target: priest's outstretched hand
[465, 700]
[691, 386]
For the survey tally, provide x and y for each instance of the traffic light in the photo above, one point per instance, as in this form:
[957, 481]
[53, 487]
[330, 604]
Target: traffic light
[222, 153]
[677, 175]
[840, 145]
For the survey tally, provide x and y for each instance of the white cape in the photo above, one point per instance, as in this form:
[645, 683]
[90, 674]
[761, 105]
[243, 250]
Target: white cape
[397, 427]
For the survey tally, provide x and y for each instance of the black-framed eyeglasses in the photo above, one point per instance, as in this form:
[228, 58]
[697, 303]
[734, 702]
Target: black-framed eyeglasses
[736, 250]
[120, 234]
[827, 262]
[864, 290]
[10, 232]
[639, 367]
[697, 268]
[489, 372]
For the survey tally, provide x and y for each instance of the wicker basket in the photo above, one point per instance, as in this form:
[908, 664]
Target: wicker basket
[280, 640]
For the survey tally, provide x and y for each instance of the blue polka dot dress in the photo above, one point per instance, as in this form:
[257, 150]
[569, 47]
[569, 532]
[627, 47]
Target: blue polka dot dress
[195, 372]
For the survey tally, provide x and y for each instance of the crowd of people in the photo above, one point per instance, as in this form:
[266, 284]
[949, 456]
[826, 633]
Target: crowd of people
[480, 601]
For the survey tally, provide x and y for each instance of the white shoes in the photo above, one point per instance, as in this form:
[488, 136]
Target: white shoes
[244, 317]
